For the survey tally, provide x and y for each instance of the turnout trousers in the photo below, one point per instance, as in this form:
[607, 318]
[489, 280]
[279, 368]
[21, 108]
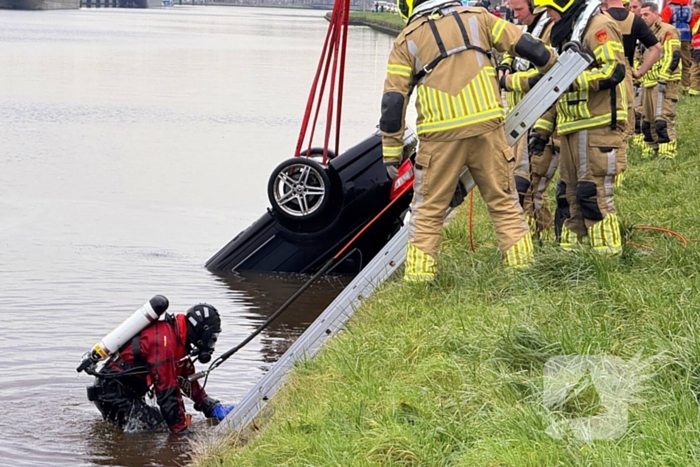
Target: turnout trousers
[685, 60]
[695, 73]
[438, 166]
[533, 174]
[657, 125]
[536, 202]
[585, 209]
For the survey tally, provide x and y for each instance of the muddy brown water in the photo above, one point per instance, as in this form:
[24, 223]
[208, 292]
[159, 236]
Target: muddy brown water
[133, 145]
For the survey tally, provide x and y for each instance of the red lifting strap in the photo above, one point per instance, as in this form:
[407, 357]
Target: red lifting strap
[333, 60]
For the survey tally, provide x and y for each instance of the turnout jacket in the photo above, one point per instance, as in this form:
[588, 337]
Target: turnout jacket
[669, 66]
[460, 97]
[597, 98]
[161, 347]
[519, 81]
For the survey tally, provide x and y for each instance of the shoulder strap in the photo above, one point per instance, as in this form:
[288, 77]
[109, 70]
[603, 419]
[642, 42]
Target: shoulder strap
[441, 46]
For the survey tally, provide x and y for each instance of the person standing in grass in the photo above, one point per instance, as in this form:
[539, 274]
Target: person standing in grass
[661, 88]
[589, 118]
[534, 170]
[695, 53]
[678, 14]
[444, 53]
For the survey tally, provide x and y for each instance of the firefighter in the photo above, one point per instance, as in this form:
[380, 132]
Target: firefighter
[695, 53]
[157, 356]
[661, 88]
[635, 7]
[633, 30]
[444, 53]
[588, 120]
[677, 13]
[533, 172]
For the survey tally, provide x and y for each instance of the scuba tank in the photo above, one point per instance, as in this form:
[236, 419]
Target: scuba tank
[134, 324]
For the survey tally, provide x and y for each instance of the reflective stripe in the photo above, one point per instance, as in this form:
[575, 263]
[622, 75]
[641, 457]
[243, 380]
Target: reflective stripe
[605, 235]
[400, 70]
[417, 202]
[476, 102]
[463, 121]
[420, 266]
[570, 127]
[545, 125]
[524, 160]
[609, 180]
[582, 154]
[659, 102]
[392, 152]
[520, 254]
[475, 38]
[497, 30]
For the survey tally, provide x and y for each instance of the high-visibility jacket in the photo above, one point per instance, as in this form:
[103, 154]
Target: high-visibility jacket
[678, 14]
[460, 97]
[669, 66]
[517, 83]
[590, 103]
[695, 30]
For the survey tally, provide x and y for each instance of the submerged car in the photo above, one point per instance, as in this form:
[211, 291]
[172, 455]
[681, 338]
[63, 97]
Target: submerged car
[317, 209]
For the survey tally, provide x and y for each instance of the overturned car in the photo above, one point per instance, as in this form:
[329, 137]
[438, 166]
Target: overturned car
[316, 209]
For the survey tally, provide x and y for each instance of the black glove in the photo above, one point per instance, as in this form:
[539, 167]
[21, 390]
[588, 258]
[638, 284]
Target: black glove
[695, 55]
[536, 144]
[502, 82]
[533, 80]
[392, 169]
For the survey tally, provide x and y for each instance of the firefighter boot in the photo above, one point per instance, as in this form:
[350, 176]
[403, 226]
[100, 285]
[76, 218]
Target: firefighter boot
[605, 236]
[668, 150]
[520, 254]
[420, 266]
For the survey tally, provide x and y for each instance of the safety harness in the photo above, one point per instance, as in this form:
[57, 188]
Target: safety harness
[441, 46]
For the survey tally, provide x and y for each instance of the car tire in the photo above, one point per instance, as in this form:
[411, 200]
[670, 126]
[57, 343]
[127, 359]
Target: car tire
[316, 154]
[299, 189]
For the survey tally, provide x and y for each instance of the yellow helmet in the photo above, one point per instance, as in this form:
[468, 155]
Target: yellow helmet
[405, 8]
[560, 5]
[625, 2]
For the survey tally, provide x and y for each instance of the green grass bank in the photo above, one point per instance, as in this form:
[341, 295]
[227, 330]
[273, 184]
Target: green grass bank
[453, 374]
[388, 23]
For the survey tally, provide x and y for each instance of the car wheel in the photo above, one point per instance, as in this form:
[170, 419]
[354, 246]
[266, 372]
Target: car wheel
[317, 154]
[299, 189]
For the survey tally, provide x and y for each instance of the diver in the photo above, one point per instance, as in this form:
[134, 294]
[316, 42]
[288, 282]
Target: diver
[150, 356]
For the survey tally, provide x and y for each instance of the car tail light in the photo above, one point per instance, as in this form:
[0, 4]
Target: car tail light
[404, 181]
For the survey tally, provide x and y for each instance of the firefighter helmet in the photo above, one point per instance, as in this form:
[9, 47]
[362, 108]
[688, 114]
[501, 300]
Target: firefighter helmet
[562, 6]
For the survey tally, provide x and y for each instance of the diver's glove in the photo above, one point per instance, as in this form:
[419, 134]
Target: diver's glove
[219, 411]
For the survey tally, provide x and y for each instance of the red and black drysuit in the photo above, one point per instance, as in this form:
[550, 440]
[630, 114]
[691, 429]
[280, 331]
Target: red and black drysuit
[156, 356]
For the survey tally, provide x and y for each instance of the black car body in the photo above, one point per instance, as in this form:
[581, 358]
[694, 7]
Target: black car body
[299, 235]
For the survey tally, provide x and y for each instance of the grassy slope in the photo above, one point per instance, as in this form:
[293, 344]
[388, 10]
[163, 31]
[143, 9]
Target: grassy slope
[452, 374]
[388, 23]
